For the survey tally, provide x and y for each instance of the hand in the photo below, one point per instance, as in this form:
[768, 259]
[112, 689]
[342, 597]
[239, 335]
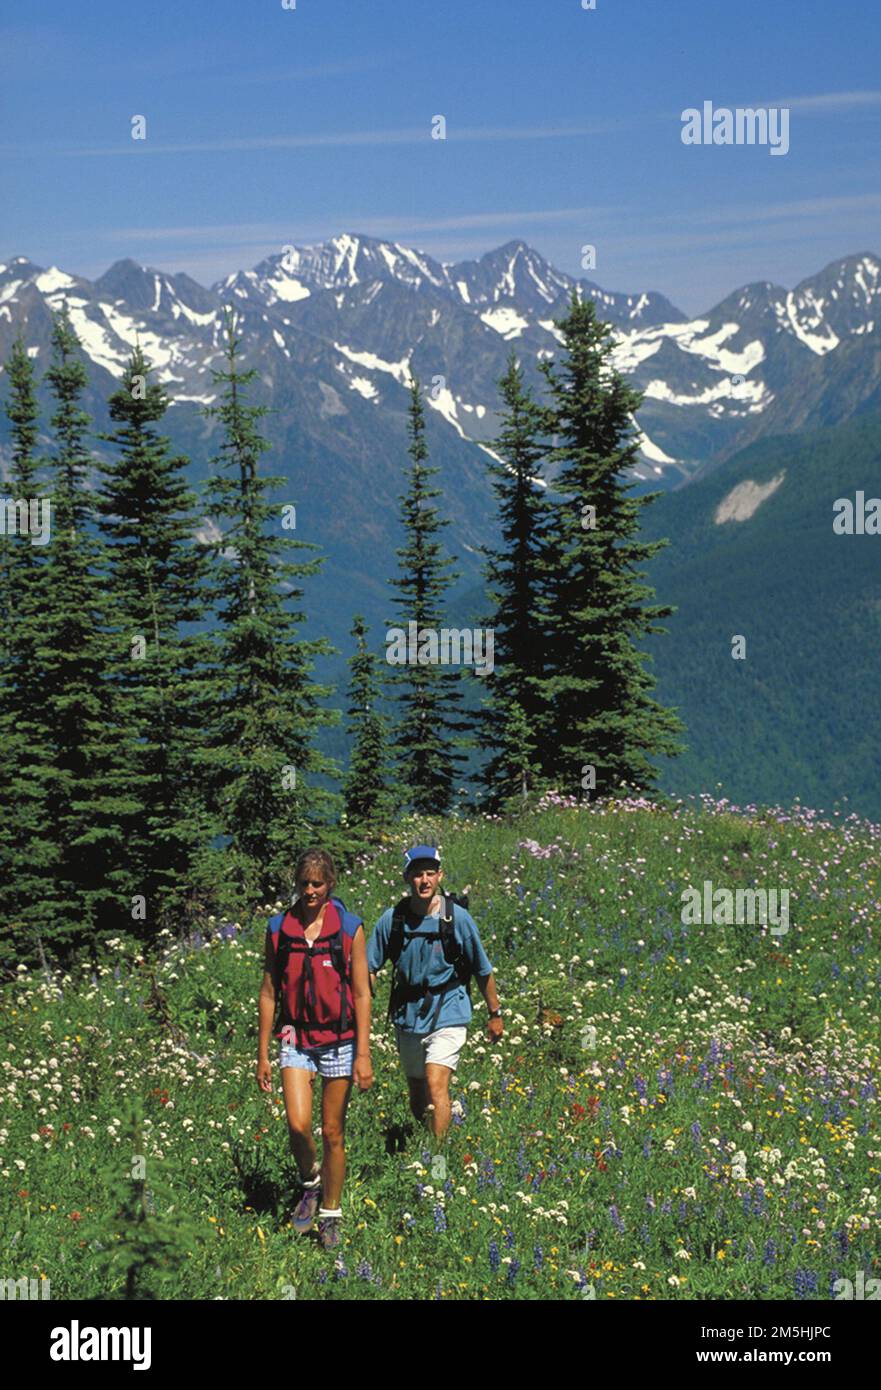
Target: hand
[264, 1074]
[495, 1028]
[363, 1073]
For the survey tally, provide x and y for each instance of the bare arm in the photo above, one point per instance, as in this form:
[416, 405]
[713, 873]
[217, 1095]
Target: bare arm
[487, 986]
[362, 992]
[265, 1015]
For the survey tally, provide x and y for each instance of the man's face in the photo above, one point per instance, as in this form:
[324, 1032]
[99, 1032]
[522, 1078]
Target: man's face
[424, 878]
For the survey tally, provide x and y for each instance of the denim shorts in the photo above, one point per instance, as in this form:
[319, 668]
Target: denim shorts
[332, 1060]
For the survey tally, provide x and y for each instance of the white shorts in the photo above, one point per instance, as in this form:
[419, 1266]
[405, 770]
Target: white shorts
[442, 1047]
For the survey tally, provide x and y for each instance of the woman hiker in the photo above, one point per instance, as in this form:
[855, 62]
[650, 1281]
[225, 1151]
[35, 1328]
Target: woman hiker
[316, 965]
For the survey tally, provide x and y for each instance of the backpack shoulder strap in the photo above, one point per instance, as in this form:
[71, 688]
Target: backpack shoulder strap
[349, 921]
[396, 934]
[454, 953]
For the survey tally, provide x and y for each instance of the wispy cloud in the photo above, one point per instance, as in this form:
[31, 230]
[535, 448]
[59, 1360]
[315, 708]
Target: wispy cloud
[828, 101]
[252, 233]
[415, 135]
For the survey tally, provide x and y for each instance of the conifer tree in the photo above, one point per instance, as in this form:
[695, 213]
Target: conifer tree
[27, 857]
[599, 708]
[518, 755]
[368, 800]
[516, 574]
[90, 797]
[427, 732]
[264, 710]
[155, 589]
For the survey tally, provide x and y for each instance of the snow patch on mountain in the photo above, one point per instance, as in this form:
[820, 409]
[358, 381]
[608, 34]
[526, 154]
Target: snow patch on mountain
[364, 387]
[753, 394]
[811, 318]
[444, 402]
[53, 279]
[399, 370]
[505, 321]
[652, 451]
[287, 288]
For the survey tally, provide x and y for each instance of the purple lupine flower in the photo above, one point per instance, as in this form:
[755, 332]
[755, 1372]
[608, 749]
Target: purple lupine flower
[616, 1220]
[833, 1280]
[644, 1235]
[339, 1269]
[770, 1253]
[495, 1258]
[364, 1271]
[440, 1218]
[509, 1240]
[696, 1133]
[538, 1258]
[843, 1240]
[513, 1269]
[805, 1283]
[714, 1052]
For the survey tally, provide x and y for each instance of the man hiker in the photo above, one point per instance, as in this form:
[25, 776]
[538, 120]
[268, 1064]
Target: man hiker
[435, 949]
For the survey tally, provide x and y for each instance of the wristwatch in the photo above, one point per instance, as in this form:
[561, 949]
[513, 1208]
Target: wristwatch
[495, 1013]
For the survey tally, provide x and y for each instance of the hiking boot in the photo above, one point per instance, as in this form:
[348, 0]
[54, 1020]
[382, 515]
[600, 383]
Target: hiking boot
[304, 1215]
[329, 1232]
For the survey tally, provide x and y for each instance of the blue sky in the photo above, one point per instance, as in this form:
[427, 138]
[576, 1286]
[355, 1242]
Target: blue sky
[267, 126]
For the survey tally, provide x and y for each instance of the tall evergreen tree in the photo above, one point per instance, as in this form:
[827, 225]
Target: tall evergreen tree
[155, 590]
[516, 574]
[599, 708]
[368, 800]
[27, 855]
[90, 798]
[427, 733]
[264, 710]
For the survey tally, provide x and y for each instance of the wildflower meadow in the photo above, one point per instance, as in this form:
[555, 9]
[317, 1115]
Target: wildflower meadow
[676, 1111]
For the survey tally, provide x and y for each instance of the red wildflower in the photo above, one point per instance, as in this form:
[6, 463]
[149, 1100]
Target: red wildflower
[74, 1216]
[578, 1112]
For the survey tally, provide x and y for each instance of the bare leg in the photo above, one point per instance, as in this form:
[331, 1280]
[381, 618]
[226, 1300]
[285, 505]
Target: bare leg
[437, 1080]
[297, 1084]
[334, 1100]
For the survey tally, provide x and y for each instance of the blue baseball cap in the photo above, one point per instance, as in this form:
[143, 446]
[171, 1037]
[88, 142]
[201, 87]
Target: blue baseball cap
[430, 852]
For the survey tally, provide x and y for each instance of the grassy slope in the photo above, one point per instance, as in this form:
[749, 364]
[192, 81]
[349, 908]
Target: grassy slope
[583, 1163]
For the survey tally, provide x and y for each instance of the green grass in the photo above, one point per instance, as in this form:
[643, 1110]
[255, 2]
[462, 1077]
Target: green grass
[593, 1154]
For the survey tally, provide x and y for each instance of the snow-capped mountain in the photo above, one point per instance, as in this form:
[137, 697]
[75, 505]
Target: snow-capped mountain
[336, 329]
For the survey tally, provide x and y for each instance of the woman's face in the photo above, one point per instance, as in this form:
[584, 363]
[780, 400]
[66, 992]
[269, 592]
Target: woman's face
[314, 890]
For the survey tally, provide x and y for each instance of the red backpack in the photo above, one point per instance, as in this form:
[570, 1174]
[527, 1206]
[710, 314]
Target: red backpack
[314, 983]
